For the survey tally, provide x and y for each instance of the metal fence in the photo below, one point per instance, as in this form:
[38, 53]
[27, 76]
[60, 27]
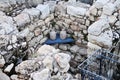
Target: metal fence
[100, 65]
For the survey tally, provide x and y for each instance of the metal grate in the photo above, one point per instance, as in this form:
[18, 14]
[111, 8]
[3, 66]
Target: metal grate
[99, 66]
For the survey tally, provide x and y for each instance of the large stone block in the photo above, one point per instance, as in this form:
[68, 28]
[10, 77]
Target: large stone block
[76, 11]
[22, 19]
[108, 9]
[44, 9]
[33, 12]
[100, 33]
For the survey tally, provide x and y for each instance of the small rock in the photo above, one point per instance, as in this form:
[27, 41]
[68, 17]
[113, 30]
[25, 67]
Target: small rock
[74, 49]
[33, 12]
[112, 19]
[43, 75]
[14, 77]
[108, 9]
[27, 67]
[9, 47]
[14, 39]
[48, 62]
[62, 59]
[9, 68]
[37, 31]
[2, 62]
[76, 11]
[3, 76]
[63, 47]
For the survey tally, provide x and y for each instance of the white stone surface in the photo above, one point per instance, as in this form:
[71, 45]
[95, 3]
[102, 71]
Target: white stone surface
[108, 9]
[9, 68]
[100, 33]
[46, 50]
[112, 19]
[33, 12]
[42, 75]
[27, 67]
[48, 62]
[76, 11]
[100, 3]
[22, 19]
[44, 9]
[7, 24]
[117, 4]
[97, 27]
[3, 76]
[62, 59]
[2, 62]
[74, 49]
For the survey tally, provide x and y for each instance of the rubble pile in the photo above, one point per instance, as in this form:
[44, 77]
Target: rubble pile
[26, 24]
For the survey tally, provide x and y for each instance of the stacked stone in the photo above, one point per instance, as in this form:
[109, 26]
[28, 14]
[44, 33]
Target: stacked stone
[72, 18]
[103, 30]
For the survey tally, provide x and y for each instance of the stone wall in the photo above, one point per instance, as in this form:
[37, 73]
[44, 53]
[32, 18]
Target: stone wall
[25, 25]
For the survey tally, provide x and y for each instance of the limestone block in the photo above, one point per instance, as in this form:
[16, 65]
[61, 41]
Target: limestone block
[22, 19]
[44, 9]
[100, 33]
[108, 9]
[76, 11]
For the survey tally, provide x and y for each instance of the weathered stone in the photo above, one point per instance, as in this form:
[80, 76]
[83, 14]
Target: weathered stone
[63, 60]
[2, 32]
[74, 49]
[46, 50]
[7, 25]
[14, 39]
[92, 47]
[112, 19]
[27, 67]
[52, 5]
[42, 75]
[2, 62]
[22, 19]
[23, 33]
[9, 68]
[75, 28]
[33, 12]
[37, 31]
[44, 9]
[48, 62]
[4, 40]
[63, 47]
[43, 40]
[35, 2]
[3, 76]
[100, 33]
[51, 17]
[14, 77]
[76, 11]
[117, 4]
[68, 21]
[100, 3]
[108, 9]
[87, 23]
[93, 10]
[4, 6]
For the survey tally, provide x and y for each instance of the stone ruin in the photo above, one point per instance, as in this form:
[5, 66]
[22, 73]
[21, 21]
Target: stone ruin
[25, 26]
